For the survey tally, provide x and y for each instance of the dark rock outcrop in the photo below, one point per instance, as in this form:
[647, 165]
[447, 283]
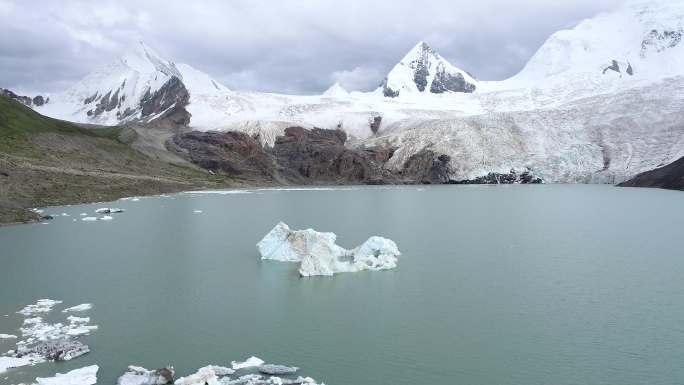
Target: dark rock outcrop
[658, 41]
[427, 167]
[387, 91]
[669, 177]
[526, 177]
[319, 156]
[445, 81]
[36, 101]
[171, 99]
[374, 123]
[234, 153]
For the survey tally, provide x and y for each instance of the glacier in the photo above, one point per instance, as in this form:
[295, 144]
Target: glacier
[319, 255]
[597, 103]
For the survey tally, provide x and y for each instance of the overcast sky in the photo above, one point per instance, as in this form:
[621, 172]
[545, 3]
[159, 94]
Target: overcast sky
[276, 45]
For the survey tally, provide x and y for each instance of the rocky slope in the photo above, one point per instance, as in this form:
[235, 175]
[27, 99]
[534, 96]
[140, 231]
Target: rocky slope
[49, 162]
[670, 176]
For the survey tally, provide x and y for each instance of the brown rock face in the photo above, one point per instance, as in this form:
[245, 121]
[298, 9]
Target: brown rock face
[318, 156]
[234, 153]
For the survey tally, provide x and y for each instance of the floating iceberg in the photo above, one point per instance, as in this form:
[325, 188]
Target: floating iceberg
[82, 376]
[318, 253]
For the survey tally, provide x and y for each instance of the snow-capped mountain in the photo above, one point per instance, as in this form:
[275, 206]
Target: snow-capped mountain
[139, 86]
[424, 70]
[336, 90]
[600, 102]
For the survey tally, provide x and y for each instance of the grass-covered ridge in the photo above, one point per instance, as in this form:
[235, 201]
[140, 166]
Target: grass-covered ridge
[45, 161]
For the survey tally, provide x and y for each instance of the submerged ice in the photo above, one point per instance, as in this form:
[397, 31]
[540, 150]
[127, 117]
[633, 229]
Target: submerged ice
[318, 254]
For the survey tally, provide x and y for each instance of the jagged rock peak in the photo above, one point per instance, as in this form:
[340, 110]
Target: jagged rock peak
[424, 70]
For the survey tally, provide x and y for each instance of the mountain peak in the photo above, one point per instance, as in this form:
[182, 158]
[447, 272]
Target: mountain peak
[336, 90]
[140, 57]
[424, 70]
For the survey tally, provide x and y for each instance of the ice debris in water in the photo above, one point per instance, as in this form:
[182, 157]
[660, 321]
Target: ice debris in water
[137, 375]
[89, 219]
[216, 375]
[107, 210]
[43, 341]
[197, 211]
[41, 306]
[248, 363]
[81, 307]
[7, 336]
[318, 254]
[82, 376]
[277, 369]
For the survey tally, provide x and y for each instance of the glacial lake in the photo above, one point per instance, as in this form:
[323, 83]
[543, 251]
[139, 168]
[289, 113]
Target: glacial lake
[549, 284]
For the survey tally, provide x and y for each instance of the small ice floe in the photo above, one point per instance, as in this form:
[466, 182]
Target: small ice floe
[81, 307]
[82, 376]
[83, 214]
[136, 375]
[197, 211]
[89, 219]
[251, 362]
[65, 215]
[7, 336]
[41, 306]
[318, 254]
[17, 362]
[277, 370]
[204, 376]
[107, 210]
[106, 218]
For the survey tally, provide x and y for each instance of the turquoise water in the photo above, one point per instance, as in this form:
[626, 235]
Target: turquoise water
[552, 284]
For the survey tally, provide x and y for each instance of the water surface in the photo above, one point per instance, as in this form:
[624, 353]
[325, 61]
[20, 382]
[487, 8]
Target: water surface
[496, 285]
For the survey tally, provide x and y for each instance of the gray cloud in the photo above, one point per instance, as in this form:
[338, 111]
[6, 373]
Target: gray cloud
[280, 46]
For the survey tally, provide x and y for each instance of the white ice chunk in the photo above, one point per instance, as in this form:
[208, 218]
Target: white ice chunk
[81, 307]
[7, 336]
[106, 218]
[204, 376]
[89, 219]
[197, 211]
[137, 375]
[82, 376]
[318, 253]
[248, 363]
[16, 362]
[41, 306]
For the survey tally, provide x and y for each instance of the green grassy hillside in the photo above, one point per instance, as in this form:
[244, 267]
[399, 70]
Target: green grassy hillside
[45, 162]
